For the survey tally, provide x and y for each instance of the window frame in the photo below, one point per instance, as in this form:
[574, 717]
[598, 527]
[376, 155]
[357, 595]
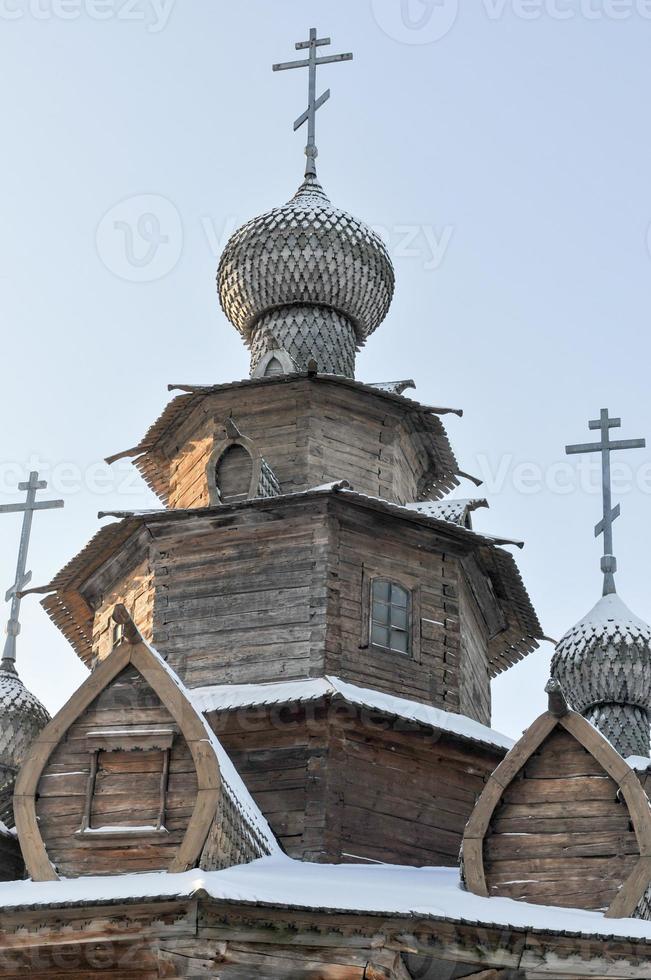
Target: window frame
[219, 450]
[156, 740]
[389, 624]
[413, 614]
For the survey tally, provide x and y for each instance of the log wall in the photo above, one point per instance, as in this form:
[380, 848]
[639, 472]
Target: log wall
[242, 600]
[283, 592]
[135, 590]
[309, 434]
[447, 661]
[340, 784]
[561, 834]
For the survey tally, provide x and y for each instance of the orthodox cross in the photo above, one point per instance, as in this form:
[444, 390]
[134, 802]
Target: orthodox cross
[314, 104]
[605, 526]
[22, 575]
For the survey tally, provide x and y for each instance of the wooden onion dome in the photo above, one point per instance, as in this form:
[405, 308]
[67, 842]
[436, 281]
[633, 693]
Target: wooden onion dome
[604, 665]
[305, 282]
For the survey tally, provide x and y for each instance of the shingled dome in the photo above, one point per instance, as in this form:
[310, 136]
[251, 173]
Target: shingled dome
[22, 718]
[604, 665]
[308, 281]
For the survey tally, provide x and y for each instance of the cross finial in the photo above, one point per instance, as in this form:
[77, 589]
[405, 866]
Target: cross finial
[22, 575]
[605, 526]
[313, 104]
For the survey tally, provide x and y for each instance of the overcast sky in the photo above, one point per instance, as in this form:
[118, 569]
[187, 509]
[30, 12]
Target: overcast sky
[502, 149]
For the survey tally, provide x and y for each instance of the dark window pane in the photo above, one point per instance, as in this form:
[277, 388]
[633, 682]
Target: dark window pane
[380, 636]
[399, 596]
[399, 641]
[381, 591]
[381, 613]
[399, 617]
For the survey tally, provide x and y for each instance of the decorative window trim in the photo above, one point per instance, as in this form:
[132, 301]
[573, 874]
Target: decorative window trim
[124, 740]
[220, 450]
[412, 587]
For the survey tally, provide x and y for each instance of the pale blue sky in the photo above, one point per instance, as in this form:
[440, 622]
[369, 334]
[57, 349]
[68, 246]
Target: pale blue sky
[507, 162]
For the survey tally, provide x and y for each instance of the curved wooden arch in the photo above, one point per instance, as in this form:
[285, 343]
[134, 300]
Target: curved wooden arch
[132, 651]
[219, 450]
[634, 887]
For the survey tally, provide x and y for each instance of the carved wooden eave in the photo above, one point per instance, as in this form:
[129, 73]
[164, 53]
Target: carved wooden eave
[152, 455]
[133, 652]
[159, 927]
[478, 829]
[514, 629]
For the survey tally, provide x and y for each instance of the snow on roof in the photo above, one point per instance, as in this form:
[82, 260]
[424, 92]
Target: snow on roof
[228, 697]
[427, 509]
[455, 510]
[231, 779]
[283, 882]
[5, 831]
[610, 620]
[639, 762]
[393, 387]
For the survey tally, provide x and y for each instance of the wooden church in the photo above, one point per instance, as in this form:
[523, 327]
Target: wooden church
[281, 764]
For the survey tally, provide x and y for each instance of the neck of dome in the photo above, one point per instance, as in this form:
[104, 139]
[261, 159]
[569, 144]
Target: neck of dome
[299, 337]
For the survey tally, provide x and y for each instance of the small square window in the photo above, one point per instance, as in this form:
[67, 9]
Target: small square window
[390, 616]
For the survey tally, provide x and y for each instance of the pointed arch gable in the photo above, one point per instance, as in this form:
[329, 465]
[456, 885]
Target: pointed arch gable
[605, 755]
[279, 354]
[157, 675]
[217, 455]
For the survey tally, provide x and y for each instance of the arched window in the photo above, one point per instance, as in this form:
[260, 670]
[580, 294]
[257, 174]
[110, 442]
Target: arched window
[390, 616]
[234, 474]
[273, 368]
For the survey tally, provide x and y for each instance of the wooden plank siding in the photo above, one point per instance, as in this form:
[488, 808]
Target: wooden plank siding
[561, 834]
[366, 546]
[127, 792]
[340, 784]
[309, 434]
[280, 593]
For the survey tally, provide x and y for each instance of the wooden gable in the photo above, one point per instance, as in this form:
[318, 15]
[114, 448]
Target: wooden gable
[123, 779]
[562, 821]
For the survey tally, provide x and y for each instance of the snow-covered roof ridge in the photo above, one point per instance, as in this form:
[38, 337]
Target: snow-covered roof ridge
[232, 781]
[281, 882]
[610, 619]
[228, 697]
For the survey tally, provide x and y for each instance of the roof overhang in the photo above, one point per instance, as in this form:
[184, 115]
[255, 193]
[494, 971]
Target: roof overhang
[519, 636]
[424, 421]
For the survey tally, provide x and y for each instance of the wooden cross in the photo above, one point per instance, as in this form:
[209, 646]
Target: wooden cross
[314, 104]
[605, 526]
[22, 575]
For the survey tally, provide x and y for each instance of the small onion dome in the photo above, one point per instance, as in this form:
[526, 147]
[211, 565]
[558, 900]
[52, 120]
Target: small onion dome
[22, 718]
[306, 253]
[606, 658]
